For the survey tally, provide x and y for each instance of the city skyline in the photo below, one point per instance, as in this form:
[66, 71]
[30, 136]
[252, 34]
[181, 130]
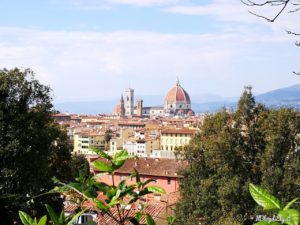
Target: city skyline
[93, 50]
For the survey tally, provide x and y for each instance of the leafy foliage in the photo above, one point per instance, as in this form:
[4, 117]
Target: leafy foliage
[27, 220]
[251, 145]
[116, 197]
[33, 148]
[265, 199]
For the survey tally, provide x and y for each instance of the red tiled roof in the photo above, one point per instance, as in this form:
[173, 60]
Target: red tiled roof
[152, 167]
[177, 94]
[153, 210]
[178, 131]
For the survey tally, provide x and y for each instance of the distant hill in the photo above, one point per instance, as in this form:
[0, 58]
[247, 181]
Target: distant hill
[283, 97]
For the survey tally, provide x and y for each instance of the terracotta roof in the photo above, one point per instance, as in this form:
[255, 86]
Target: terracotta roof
[177, 94]
[131, 124]
[152, 167]
[152, 209]
[178, 131]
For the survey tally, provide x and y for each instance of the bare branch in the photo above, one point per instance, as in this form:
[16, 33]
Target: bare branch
[271, 3]
[294, 10]
[291, 32]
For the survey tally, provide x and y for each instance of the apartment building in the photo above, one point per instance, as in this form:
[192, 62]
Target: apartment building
[84, 141]
[175, 137]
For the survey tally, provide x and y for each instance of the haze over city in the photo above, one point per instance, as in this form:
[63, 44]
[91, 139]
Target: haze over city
[92, 50]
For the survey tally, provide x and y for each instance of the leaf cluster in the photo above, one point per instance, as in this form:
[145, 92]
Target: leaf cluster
[115, 196]
[285, 214]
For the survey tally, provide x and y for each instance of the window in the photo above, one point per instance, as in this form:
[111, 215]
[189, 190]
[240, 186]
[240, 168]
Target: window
[169, 180]
[86, 218]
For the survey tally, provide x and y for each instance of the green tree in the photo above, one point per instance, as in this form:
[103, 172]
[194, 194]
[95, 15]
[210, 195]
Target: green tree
[253, 144]
[33, 148]
[107, 137]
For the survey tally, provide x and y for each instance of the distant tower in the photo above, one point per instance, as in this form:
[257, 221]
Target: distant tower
[128, 97]
[119, 109]
[122, 106]
[139, 108]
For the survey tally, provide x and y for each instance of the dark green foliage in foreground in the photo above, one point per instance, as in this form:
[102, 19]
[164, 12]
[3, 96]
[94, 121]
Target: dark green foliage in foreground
[33, 148]
[253, 144]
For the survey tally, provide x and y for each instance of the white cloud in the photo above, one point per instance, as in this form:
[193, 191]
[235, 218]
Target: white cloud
[236, 11]
[108, 4]
[95, 65]
[144, 2]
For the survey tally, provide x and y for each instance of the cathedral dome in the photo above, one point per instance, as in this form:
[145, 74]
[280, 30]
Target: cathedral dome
[119, 109]
[177, 95]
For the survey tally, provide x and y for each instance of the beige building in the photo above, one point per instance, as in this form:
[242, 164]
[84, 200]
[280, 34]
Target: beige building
[85, 141]
[172, 138]
[116, 142]
[141, 148]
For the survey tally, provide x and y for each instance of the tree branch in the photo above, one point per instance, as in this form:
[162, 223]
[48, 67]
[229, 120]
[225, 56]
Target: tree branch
[271, 3]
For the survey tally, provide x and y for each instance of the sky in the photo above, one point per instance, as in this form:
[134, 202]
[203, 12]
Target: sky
[94, 49]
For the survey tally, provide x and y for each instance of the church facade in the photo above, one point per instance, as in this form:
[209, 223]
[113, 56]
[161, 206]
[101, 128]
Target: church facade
[177, 103]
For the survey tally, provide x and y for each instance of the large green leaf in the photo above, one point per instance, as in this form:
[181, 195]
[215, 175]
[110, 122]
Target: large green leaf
[75, 217]
[156, 189]
[52, 214]
[62, 217]
[100, 205]
[102, 153]
[26, 219]
[290, 216]
[137, 176]
[43, 220]
[150, 220]
[120, 158]
[290, 203]
[264, 198]
[147, 182]
[115, 200]
[103, 166]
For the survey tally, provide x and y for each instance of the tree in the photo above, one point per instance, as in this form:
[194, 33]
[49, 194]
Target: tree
[107, 137]
[280, 7]
[33, 148]
[251, 145]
